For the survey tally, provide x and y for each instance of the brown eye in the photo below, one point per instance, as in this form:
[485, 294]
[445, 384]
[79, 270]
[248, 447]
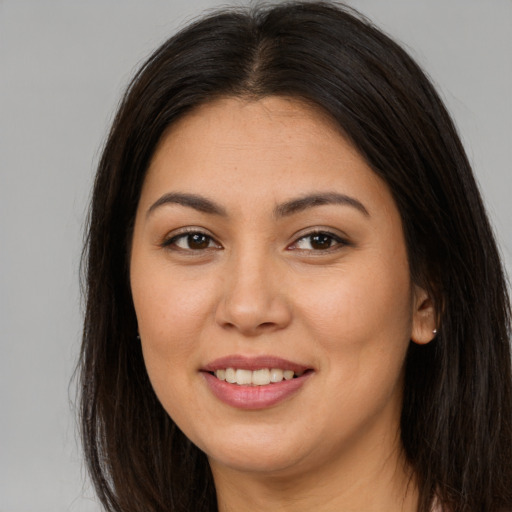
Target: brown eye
[193, 241]
[198, 241]
[320, 241]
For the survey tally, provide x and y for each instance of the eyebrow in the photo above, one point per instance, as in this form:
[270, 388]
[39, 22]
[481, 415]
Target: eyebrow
[194, 201]
[318, 199]
[204, 205]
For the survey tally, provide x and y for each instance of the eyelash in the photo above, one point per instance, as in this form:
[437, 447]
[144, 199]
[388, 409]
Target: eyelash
[187, 235]
[335, 241]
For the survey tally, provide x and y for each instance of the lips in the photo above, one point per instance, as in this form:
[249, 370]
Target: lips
[254, 363]
[261, 377]
[254, 382]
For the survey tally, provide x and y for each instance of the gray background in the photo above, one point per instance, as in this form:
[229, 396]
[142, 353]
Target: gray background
[63, 65]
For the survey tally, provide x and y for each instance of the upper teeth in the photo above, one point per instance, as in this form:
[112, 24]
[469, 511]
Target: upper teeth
[255, 378]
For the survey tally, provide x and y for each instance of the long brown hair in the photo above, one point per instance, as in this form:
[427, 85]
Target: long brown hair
[456, 425]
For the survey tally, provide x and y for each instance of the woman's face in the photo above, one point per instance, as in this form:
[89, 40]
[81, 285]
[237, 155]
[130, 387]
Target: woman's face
[265, 247]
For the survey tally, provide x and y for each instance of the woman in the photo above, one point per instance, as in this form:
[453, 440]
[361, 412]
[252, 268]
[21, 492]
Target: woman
[294, 297]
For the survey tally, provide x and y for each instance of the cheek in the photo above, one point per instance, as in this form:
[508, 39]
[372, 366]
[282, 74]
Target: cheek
[168, 304]
[363, 322]
[171, 314]
[358, 301]
[362, 328]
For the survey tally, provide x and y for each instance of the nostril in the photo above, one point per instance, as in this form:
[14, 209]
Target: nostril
[252, 314]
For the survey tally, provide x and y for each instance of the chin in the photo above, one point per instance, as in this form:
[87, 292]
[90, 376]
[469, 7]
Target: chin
[258, 451]
[266, 462]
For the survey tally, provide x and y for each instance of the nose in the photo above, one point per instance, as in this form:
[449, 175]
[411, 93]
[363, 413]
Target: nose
[254, 299]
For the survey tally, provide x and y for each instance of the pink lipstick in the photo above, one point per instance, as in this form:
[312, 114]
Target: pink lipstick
[254, 382]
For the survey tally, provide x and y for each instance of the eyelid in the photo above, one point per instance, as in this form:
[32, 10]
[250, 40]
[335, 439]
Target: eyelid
[341, 239]
[170, 238]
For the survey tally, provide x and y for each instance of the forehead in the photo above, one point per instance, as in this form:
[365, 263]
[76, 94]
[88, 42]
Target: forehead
[261, 150]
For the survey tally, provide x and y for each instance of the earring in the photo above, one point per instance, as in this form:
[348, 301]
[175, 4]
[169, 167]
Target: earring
[434, 332]
[138, 337]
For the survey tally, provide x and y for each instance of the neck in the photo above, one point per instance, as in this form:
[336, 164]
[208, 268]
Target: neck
[362, 483]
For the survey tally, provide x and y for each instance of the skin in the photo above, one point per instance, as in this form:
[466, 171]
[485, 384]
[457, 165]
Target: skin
[260, 285]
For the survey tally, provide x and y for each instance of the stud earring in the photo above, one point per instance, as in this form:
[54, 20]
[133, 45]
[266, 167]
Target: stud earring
[434, 332]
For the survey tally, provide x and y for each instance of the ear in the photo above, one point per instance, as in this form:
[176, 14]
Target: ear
[424, 328]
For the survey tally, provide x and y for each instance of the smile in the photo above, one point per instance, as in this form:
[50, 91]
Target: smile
[255, 382]
[260, 377]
